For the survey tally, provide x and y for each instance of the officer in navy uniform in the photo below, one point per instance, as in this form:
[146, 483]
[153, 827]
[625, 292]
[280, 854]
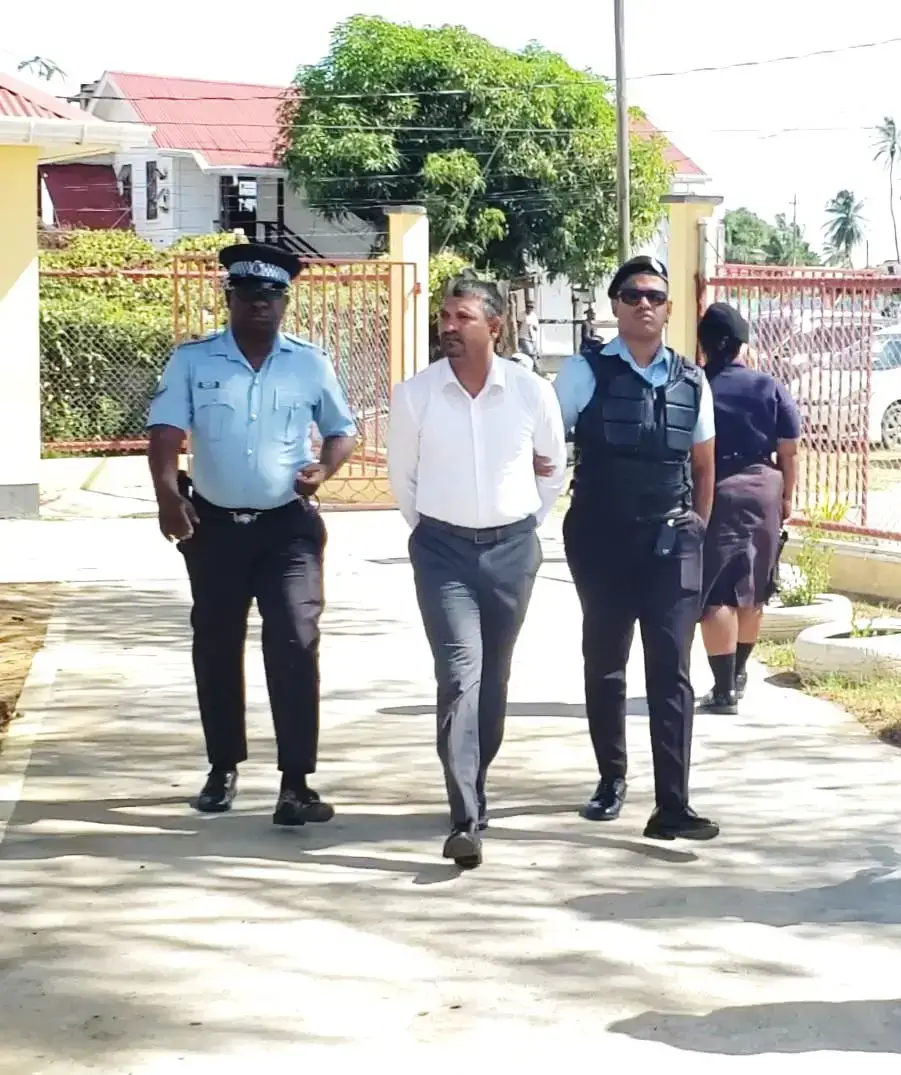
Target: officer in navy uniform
[641, 497]
[244, 520]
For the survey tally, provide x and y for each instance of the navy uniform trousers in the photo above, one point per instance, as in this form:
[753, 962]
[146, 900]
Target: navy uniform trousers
[276, 558]
[621, 580]
[473, 588]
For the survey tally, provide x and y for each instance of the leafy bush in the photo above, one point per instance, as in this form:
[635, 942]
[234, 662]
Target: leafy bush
[813, 563]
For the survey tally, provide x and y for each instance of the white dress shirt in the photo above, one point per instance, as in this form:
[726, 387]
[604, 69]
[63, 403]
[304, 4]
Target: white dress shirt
[469, 461]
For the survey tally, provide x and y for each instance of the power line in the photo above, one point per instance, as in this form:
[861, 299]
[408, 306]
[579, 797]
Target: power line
[587, 82]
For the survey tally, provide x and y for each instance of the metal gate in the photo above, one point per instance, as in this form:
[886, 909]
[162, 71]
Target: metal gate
[833, 337]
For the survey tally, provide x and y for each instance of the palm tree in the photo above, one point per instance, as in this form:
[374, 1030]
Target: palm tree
[888, 147]
[844, 229]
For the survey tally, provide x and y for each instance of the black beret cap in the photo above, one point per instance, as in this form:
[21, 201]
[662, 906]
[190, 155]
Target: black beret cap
[641, 265]
[722, 322]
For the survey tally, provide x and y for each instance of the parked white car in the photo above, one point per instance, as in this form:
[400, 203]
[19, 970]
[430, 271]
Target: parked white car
[832, 397]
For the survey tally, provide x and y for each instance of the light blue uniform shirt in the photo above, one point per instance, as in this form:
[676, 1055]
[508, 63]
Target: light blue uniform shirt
[575, 386]
[250, 429]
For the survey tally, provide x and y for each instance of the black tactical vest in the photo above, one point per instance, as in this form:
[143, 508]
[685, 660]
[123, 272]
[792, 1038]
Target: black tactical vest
[633, 441]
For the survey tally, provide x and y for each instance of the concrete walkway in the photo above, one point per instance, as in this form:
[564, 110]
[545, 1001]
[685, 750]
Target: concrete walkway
[138, 937]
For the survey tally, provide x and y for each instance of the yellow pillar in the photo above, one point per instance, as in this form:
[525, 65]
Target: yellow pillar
[408, 251]
[685, 257]
[20, 352]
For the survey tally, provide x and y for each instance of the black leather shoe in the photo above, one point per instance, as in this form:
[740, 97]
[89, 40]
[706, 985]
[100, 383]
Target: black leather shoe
[741, 684]
[682, 825]
[607, 801]
[464, 846]
[218, 792]
[723, 703]
[483, 821]
[300, 807]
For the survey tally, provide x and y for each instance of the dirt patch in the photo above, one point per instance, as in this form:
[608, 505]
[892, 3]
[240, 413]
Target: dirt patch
[24, 613]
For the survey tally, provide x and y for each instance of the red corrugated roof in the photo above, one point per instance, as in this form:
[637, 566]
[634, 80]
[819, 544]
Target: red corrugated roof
[86, 196]
[24, 101]
[683, 165]
[236, 123]
[226, 122]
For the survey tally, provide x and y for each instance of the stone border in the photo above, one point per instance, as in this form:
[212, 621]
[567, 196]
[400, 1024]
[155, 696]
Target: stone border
[818, 650]
[783, 623]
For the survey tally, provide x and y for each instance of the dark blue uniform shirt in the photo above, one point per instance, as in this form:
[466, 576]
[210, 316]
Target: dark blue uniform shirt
[752, 411]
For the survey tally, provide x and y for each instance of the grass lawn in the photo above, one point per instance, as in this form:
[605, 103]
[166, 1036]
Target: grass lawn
[24, 613]
[875, 701]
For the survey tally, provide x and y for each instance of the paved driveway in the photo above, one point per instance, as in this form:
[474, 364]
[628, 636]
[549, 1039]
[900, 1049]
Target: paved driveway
[138, 937]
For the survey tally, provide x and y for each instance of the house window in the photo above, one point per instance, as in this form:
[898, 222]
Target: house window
[125, 184]
[152, 173]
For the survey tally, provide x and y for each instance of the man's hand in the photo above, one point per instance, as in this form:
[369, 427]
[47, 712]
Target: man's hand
[544, 468]
[177, 517]
[786, 508]
[309, 478]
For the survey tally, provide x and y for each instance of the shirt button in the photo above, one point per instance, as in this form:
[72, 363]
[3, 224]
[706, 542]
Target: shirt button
[253, 418]
[250, 451]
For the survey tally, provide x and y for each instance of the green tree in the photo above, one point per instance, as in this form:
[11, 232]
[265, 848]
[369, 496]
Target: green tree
[751, 240]
[746, 235]
[888, 148]
[844, 227]
[513, 154]
[786, 245]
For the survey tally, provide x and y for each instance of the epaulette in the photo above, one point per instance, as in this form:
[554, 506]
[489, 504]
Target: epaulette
[301, 342]
[202, 339]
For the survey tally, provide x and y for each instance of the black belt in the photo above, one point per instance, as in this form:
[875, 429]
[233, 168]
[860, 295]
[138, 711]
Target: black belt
[241, 516]
[485, 536]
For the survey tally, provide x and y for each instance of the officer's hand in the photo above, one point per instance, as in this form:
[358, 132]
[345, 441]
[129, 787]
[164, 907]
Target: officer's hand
[309, 478]
[177, 518]
[786, 508]
[544, 468]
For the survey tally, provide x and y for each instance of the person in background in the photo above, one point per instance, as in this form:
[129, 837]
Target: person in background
[641, 497]
[529, 332]
[590, 335]
[758, 427]
[476, 459]
[244, 521]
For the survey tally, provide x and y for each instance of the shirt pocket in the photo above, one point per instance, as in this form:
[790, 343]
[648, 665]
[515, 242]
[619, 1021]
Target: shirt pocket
[293, 413]
[213, 414]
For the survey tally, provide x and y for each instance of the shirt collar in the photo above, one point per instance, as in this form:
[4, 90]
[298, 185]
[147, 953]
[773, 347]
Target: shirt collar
[497, 374]
[617, 347]
[229, 348]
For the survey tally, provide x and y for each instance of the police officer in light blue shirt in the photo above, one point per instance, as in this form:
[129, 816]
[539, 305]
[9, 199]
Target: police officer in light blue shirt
[642, 492]
[244, 521]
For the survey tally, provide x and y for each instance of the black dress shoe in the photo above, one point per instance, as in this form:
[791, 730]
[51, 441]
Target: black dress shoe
[607, 801]
[300, 807]
[464, 846]
[483, 821]
[218, 792]
[741, 684]
[683, 824]
[723, 703]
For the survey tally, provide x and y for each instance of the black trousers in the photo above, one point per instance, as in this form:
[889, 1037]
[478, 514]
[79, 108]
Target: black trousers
[620, 580]
[277, 560]
[473, 592]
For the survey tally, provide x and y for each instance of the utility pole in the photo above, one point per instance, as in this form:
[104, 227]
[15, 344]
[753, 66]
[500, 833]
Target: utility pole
[622, 134]
[794, 229]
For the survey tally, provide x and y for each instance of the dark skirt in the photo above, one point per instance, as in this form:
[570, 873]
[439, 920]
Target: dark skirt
[741, 549]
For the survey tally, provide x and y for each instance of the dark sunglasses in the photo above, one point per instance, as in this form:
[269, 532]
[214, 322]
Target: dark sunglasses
[255, 293]
[632, 296]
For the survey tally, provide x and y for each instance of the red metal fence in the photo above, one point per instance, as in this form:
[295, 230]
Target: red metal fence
[106, 334]
[833, 337]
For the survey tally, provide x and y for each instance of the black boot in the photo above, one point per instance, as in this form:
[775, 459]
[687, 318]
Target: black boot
[464, 846]
[723, 699]
[218, 792]
[607, 801]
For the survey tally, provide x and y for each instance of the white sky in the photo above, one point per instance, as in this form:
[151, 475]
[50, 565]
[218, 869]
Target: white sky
[760, 168]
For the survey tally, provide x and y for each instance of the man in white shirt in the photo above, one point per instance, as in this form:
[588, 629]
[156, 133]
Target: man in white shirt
[462, 447]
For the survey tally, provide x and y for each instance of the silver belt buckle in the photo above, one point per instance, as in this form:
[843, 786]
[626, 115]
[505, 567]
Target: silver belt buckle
[245, 517]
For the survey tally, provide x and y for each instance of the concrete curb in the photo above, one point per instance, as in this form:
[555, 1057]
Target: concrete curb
[28, 719]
